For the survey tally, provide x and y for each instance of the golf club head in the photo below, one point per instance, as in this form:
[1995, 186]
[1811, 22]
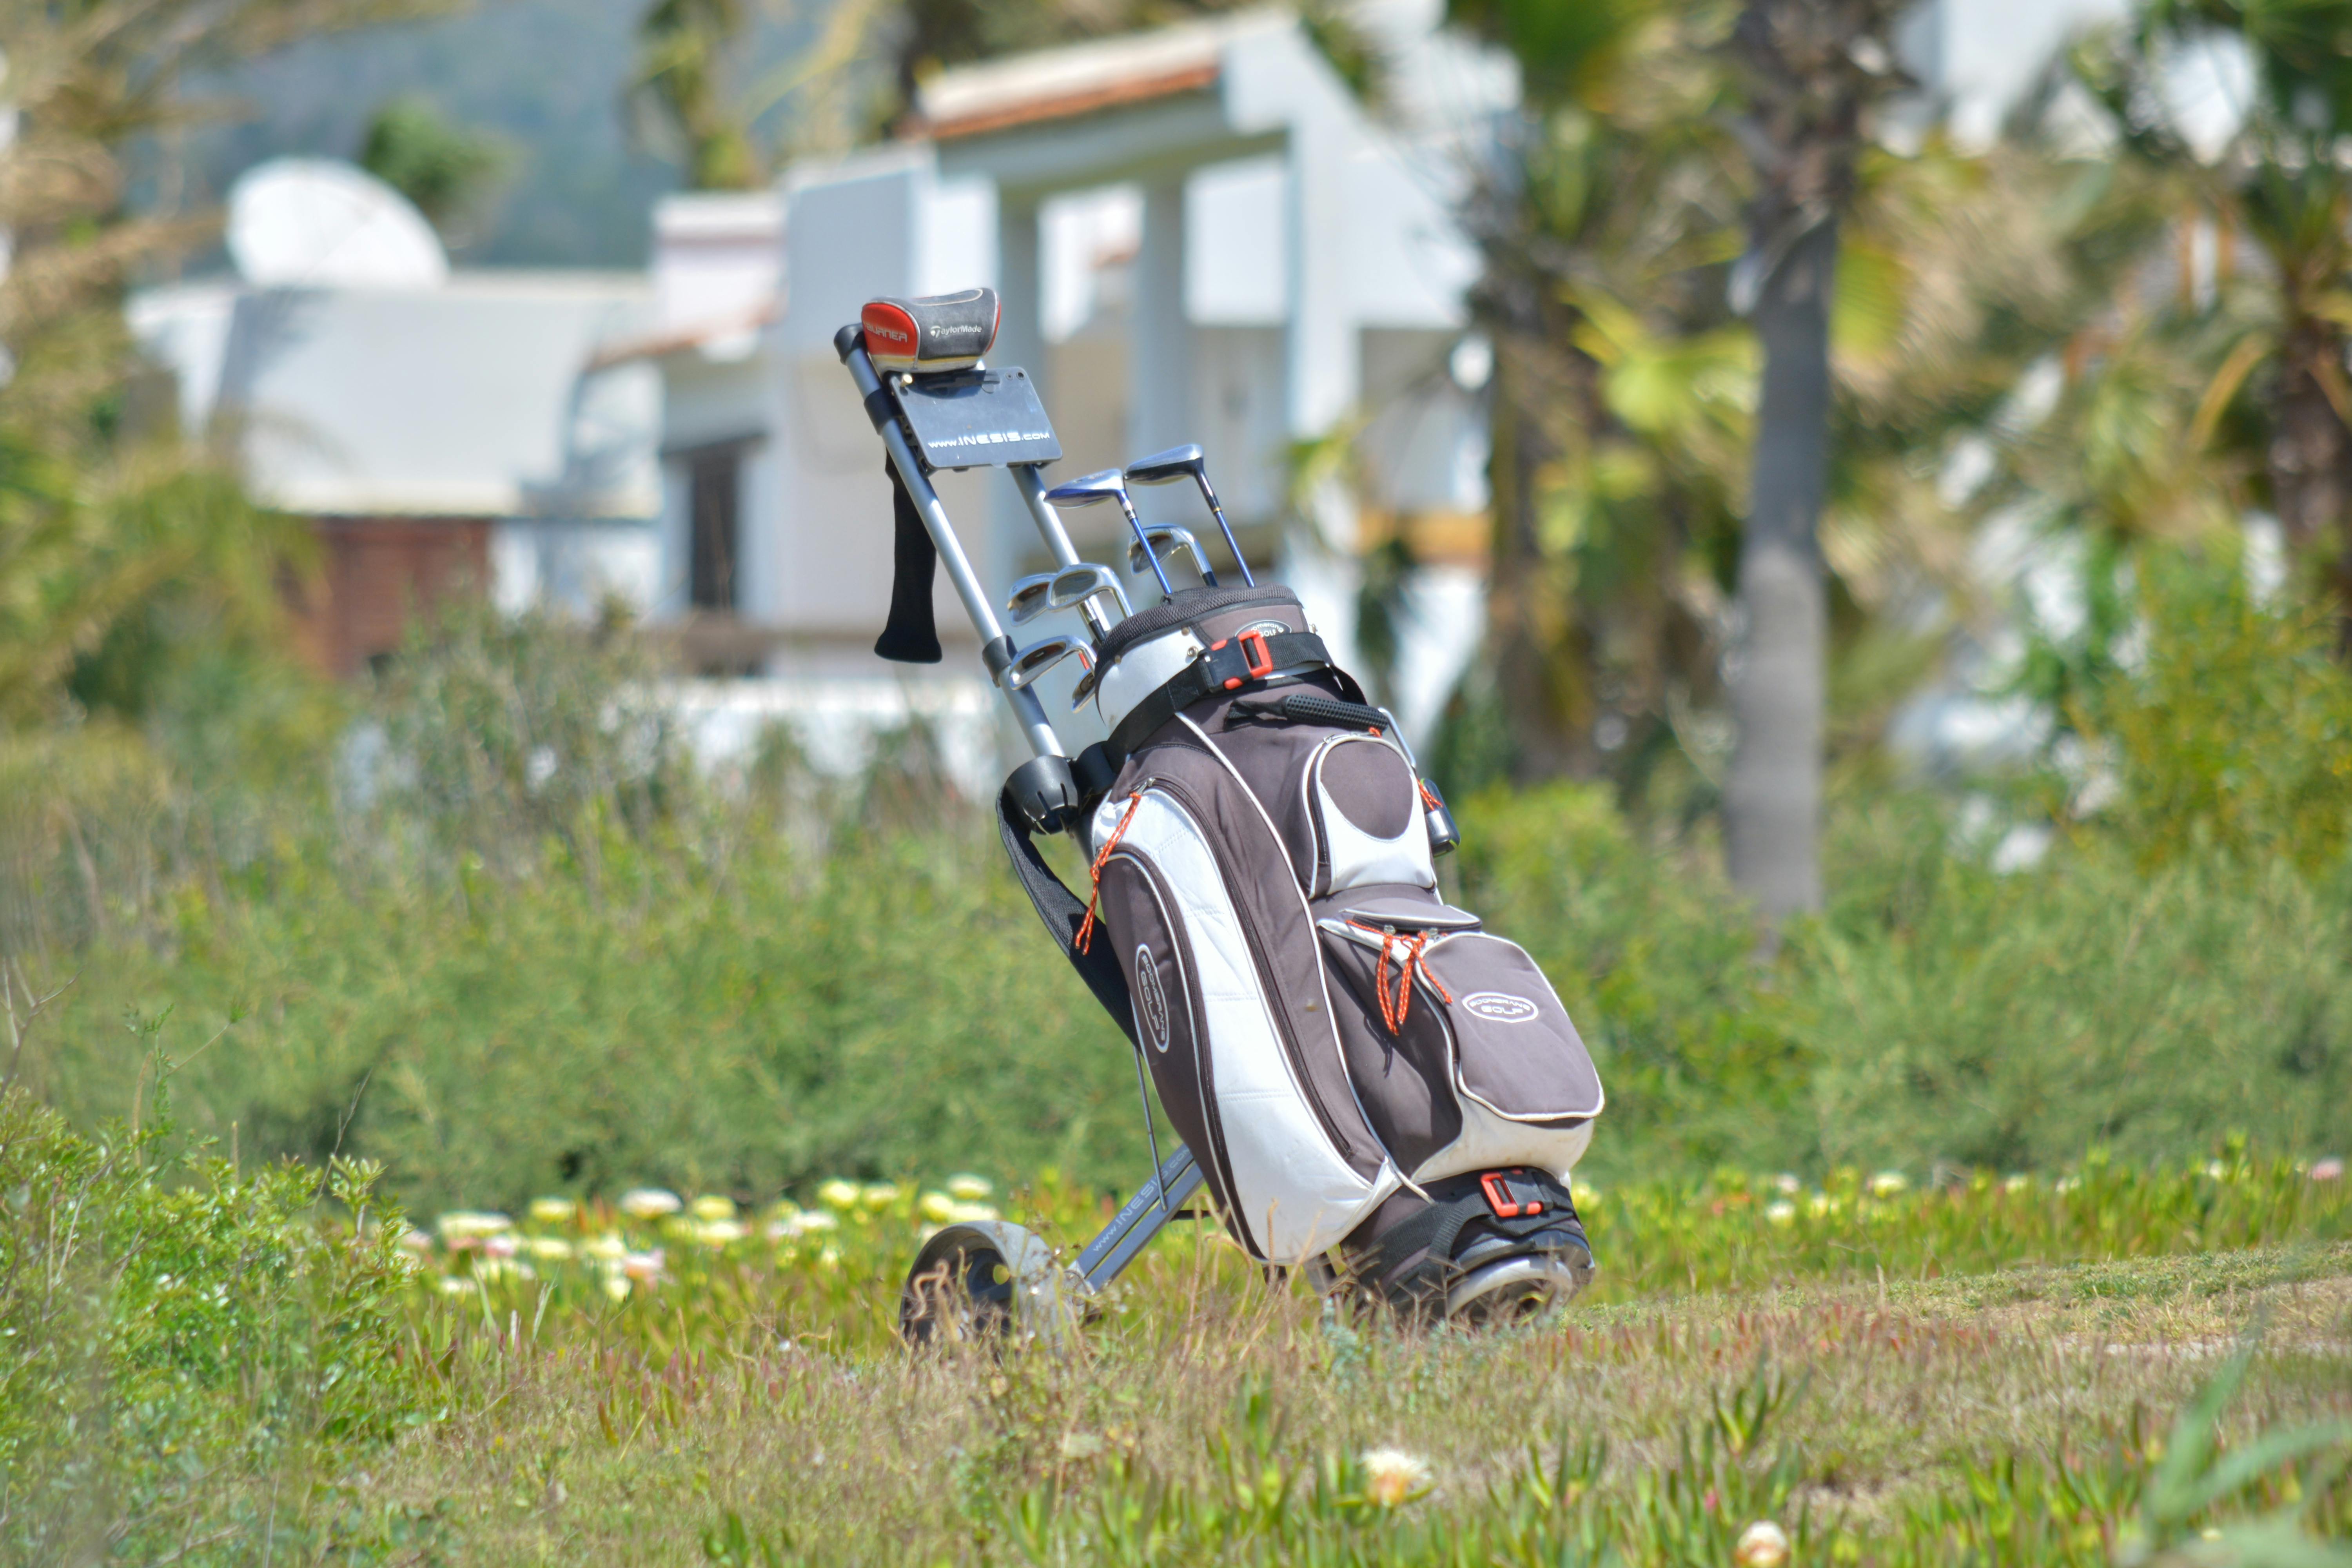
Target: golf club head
[1165, 537]
[1104, 484]
[1028, 599]
[1042, 655]
[1075, 585]
[1184, 462]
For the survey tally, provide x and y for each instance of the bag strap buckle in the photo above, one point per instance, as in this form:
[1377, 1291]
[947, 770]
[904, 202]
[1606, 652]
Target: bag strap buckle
[1496, 1185]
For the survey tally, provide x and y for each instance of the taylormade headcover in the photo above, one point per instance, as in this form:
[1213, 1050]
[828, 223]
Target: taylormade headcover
[938, 332]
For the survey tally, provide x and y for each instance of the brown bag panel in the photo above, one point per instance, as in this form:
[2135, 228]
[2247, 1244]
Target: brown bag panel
[1514, 1047]
[1401, 1076]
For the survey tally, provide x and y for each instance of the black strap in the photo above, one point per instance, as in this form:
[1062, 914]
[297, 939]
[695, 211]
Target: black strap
[911, 636]
[1313, 707]
[1064, 913]
[1231, 665]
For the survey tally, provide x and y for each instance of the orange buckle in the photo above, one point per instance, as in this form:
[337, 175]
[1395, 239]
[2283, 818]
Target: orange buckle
[1499, 1199]
[1261, 659]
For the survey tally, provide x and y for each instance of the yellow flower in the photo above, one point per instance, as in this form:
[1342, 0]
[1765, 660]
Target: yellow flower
[720, 1232]
[880, 1196]
[809, 1223]
[1886, 1184]
[710, 1205]
[829, 1258]
[838, 1193]
[1393, 1477]
[471, 1225]
[971, 1214]
[552, 1249]
[968, 1188]
[552, 1211]
[936, 1207]
[649, 1203]
[616, 1286]
[1762, 1545]
[605, 1247]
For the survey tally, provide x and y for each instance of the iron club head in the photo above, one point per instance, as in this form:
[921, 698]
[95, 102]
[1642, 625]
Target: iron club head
[1028, 599]
[1167, 539]
[1188, 462]
[1042, 655]
[1075, 585]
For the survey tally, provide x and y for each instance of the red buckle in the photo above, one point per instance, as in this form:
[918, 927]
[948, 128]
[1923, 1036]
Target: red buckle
[1499, 1199]
[1261, 660]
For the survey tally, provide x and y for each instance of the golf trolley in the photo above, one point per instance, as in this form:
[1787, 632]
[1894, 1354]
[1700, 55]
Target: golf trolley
[918, 369]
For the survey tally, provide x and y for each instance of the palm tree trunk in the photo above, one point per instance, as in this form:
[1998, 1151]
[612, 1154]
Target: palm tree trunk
[1772, 801]
[2310, 457]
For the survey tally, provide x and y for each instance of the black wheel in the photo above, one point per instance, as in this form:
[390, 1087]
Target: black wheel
[1518, 1289]
[981, 1281]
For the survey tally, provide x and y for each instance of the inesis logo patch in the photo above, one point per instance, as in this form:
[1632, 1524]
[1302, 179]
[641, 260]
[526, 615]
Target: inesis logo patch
[1499, 1008]
[1151, 1002]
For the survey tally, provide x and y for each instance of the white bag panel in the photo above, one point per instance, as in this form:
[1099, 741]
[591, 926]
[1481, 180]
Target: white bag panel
[1489, 1140]
[1297, 1195]
[1358, 858]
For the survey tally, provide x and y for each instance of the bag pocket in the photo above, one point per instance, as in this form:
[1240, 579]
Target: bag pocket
[1466, 1009]
[1365, 808]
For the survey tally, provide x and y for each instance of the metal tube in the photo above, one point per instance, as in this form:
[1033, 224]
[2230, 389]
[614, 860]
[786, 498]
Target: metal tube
[1140, 1218]
[1036, 728]
[1032, 486]
[1226, 527]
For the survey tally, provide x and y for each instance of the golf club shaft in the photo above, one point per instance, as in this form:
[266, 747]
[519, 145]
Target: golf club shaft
[1032, 484]
[1036, 728]
[1225, 527]
[1150, 554]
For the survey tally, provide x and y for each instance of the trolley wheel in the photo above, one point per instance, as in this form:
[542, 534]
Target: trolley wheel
[981, 1281]
[1518, 1289]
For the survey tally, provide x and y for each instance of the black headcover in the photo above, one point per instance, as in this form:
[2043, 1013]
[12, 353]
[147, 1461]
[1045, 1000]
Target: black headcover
[912, 635]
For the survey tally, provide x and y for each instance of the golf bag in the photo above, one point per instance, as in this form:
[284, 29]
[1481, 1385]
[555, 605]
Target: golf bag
[1359, 1070]
[1351, 1060]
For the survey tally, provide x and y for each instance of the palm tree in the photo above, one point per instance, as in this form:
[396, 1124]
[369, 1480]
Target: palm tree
[1812, 68]
[2282, 182]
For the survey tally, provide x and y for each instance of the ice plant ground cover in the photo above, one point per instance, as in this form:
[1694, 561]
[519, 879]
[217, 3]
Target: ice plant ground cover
[1988, 1369]
[205, 1363]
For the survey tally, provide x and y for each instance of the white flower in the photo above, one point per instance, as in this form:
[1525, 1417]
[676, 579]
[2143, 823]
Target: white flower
[838, 1193]
[936, 1207]
[642, 1267]
[1393, 1477]
[649, 1202]
[710, 1205]
[454, 1285]
[552, 1211]
[470, 1225]
[1781, 1213]
[720, 1232]
[606, 1248]
[1787, 1184]
[2017, 1184]
[2329, 1170]
[416, 1241]
[616, 1286]
[812, 1222]
[971, 1214]
[549, 1249]
[1762, 1545]
[2218, 1171]
[1886, 1184]
[965, 1187]
[880, 1196]
[503, 1244]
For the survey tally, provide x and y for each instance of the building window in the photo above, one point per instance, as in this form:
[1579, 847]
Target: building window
[714, 489]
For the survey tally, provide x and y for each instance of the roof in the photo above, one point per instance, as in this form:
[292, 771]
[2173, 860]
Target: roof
[1076, 79]
[480, 399]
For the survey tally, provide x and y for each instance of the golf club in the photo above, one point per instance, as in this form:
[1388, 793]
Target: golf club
[1027, 600]
[1166, 536]
[1183, 462]
[1042, 655]
[1076, 584]
[1110, 484]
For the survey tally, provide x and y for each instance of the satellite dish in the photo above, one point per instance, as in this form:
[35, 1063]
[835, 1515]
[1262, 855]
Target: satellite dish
[314, 222]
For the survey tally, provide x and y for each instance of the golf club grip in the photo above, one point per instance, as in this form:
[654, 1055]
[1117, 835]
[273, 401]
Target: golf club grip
[911, 636]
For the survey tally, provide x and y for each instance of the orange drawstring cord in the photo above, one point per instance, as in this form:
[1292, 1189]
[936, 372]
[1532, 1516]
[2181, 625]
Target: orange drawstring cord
[1094, 873]
[1393, 1012]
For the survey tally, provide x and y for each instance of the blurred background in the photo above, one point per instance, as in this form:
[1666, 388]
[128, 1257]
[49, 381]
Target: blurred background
[1850, 498]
